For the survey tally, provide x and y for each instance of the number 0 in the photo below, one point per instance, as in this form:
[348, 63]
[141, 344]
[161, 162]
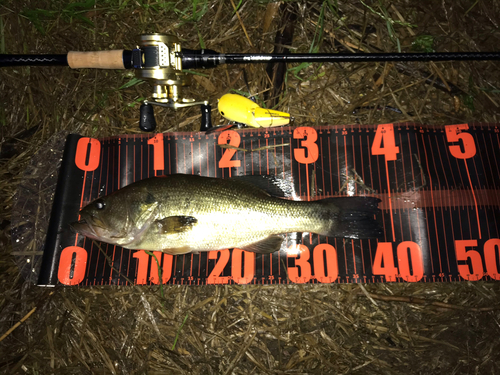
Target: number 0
[88, 154]
[72, 264]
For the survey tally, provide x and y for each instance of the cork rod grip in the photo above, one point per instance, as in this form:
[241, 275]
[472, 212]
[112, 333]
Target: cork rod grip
[100, 60]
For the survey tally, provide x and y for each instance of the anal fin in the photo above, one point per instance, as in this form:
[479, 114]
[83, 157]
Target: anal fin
[266, 246]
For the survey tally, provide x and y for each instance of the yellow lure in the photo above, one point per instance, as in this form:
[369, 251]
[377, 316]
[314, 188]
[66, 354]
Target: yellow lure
[237, 108]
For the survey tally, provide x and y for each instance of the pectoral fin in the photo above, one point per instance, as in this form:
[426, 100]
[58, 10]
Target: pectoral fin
[266, 246]
[175, 224]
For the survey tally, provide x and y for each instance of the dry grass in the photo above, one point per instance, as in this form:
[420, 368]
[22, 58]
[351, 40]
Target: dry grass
[320, 329]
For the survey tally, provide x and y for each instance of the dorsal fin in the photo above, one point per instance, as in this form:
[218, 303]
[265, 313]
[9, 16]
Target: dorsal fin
[275, 186]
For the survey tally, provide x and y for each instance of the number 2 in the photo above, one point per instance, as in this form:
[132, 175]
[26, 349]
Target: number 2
[214, 277]
[234, 140]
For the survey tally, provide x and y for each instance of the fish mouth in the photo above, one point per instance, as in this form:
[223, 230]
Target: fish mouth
[94, 229]
[85, 227]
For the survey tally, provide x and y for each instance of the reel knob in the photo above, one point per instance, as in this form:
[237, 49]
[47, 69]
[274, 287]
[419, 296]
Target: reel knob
[147, 121]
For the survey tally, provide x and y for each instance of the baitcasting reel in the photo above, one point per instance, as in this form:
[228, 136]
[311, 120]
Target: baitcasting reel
[158, 60]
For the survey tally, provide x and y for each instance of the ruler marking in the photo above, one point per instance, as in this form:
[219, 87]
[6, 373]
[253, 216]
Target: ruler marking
[330, 164]
[275, 157]
[199, 265]
[487, 183]
[362, 165]
[401, 148]
[447, 198]
[427, 221]
[439, 199]
[433, 205]
[338, 165]
[362, 257]
[104, 262]
[322, 166]
[199, 158]
[184, 157]
[244, 160]
[390, 199]
[260, 160]
[208, 161]
[353, 257]
[215, 166]
[475, 201]
[119, 165]
[493, 149]
[353, 164]
[486, 204]
[380, 192]
[267, 155]
[346, 167]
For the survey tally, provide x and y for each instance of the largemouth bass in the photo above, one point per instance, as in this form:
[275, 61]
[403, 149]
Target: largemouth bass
[178, 214]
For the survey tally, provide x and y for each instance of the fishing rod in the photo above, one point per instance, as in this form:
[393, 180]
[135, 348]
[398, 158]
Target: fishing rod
[160, 60]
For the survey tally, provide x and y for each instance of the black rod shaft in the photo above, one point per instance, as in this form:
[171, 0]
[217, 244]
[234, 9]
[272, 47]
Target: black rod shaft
[33, 60]
[195, 59]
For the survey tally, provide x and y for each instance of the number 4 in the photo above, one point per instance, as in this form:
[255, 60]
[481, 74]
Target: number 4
[385, 134]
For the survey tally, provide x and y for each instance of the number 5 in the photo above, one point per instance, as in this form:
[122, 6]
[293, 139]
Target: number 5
[475, 271]
[454, 134]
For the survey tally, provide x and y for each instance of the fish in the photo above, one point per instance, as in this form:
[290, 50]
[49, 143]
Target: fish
[180, 214]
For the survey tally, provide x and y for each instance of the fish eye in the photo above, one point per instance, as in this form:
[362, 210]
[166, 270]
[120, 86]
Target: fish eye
[99, 204]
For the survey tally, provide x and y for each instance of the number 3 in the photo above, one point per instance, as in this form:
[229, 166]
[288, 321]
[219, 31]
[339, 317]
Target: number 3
[309, 143]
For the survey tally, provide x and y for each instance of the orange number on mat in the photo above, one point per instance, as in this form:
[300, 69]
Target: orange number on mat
[491, 252]
[166, 268]
[246, 260]
[214, 277]
[142, 267]
[158, 152]
[385, 134]
[472, 271]
[384, 254]
[300, 262]
[234, 140]
[328, 252]
[92, 148]
[72, 264]
[309, 144]
[416, 261]
[454, 134]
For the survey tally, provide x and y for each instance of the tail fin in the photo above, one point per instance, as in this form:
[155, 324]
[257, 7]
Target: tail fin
[355, 217]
